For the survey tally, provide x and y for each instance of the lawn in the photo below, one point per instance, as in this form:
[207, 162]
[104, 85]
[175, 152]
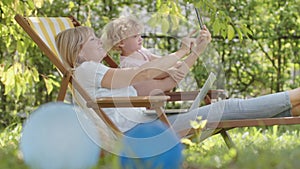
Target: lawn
[263, 148]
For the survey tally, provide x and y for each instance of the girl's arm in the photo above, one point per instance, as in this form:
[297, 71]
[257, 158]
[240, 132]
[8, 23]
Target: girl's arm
[153, 87]
[118, 78]
[186, 45]
[185, 48]
[200, 45]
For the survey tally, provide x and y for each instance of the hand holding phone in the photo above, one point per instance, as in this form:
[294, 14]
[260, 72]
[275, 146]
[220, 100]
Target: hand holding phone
[199, 19]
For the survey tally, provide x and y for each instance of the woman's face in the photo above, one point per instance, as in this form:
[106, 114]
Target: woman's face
[92, 50]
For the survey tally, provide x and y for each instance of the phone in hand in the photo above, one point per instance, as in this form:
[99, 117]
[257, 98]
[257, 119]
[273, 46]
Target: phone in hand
[200, 21]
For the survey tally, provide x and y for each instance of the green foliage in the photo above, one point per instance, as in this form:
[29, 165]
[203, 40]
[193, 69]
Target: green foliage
[222, 23]
[168, 16]
[267, 60]
[50, 83]
[17, 80]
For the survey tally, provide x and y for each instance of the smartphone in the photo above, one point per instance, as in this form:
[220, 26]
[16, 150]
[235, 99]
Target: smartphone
[200, 21]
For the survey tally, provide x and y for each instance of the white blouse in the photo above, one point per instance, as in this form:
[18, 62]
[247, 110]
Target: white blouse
[89, 75]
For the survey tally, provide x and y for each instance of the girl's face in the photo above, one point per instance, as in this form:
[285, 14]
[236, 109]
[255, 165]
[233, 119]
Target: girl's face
[92, 50]
[131, 44]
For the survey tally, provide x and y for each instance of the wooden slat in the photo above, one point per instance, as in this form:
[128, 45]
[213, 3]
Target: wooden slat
[254, 122]
[191, 95]
[109, 60]
[162, 116]
[229, 124]
[137, 101]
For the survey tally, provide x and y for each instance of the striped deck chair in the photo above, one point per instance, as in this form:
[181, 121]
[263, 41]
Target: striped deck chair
[42, 31]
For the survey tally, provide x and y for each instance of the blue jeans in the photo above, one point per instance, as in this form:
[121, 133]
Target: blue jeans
[272, 105]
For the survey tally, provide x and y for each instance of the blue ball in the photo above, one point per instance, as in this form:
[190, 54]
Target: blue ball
[151, 146]
[53, 138]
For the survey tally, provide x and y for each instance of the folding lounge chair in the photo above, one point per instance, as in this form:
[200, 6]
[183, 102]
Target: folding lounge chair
[42, 31]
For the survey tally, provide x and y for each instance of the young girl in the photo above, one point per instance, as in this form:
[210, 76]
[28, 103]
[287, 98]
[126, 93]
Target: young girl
[83, 51]
[124, 35]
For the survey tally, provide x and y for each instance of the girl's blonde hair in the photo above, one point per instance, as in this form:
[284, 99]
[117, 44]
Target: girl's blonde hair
[120, 29]
[69, 43]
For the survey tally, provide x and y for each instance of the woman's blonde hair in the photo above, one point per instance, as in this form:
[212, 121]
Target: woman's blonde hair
[120, 29]
[69, 43]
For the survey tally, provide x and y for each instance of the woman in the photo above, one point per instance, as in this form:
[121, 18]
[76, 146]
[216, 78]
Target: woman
[82, 50]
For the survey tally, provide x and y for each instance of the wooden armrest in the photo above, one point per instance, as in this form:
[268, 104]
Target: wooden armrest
[191, 95]
[155, 102]
[136, 101]
[182, 96]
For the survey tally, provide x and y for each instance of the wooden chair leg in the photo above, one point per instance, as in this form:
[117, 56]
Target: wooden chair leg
[103, 153]
[229, 142]
[227, 139]
[63, 87]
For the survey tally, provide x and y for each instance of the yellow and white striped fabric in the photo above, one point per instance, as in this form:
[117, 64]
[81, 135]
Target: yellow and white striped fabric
[48, 27]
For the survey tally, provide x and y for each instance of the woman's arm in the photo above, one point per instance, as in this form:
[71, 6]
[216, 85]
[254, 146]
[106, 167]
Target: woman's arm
[118, 78]
[154, 87]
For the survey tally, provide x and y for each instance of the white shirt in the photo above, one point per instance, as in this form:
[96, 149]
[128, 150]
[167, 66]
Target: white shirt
[136, 59]
[89, 75]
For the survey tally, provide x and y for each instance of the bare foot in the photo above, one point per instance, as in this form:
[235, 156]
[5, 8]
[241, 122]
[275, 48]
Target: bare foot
[296, 110]
[295, 96]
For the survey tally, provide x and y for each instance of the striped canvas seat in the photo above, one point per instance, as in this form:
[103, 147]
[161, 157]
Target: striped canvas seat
[48, 27]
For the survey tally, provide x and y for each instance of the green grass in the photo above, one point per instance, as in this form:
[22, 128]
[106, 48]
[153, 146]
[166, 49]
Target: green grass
[10, 156]
[275, 147]
[263, 148]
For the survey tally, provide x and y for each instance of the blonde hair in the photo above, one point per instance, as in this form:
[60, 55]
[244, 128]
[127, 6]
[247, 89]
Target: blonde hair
[120, 29]
[69, 43]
